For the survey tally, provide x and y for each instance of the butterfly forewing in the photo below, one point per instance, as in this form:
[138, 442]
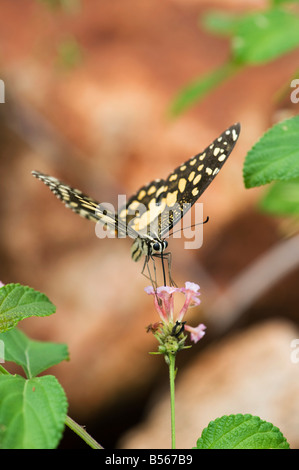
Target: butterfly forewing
[188, 181]
[83, 205]
[159, 205]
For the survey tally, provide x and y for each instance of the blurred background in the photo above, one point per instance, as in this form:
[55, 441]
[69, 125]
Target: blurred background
[91, 97]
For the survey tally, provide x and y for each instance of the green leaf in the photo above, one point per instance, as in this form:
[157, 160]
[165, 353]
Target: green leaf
[221, 23]
[241, 432]
[68, 5]
[279, 2]
[275, 156]
[32, 412]
[18, 302]
[69, 54]
[261, 37]
[33, 356]
[199, 88]
[257, 37]
[282, 198]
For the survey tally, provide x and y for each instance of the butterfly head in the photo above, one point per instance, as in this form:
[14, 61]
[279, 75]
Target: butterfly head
[148, 247]
[158, 246]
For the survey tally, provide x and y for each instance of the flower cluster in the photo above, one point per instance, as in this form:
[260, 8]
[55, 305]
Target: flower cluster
[170, 331]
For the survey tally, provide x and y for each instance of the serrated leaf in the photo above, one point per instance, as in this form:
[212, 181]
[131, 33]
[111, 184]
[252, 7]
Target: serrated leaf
[275, 156]
[32, 412]
[241, 432]
[33, 356]
[264, 36]
[282, 198]
[18, 302]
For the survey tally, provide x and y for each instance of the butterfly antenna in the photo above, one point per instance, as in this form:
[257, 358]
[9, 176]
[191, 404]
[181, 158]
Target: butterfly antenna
[192, 226]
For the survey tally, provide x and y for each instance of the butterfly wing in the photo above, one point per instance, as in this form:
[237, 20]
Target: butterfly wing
[141, 212]
[189, 180]
[159, 205]
[83, 205]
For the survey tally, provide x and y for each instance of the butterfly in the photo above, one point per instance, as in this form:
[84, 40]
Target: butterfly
[153, 211]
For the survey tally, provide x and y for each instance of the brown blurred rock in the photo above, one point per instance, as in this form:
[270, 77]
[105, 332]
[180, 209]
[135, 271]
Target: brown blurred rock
[249, 372]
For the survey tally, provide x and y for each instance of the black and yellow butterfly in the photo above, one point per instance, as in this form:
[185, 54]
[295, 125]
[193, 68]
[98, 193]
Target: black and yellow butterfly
[152, 212]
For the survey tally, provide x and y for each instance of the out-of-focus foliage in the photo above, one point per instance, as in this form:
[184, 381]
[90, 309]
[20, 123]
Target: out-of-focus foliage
[67, 5]
[282, 198]
[69, 54]
[280, 2]
[200, 87]
[255, 38]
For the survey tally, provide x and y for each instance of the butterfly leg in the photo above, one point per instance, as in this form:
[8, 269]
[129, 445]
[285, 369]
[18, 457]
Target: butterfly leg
[153, 278]
[168, 256]
[149, 276]
[163, 268]
[162, 257]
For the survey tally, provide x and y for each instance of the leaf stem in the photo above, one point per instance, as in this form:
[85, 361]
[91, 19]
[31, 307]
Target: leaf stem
[80, 431]
[171, 358]
[4, 371]
[198, 89]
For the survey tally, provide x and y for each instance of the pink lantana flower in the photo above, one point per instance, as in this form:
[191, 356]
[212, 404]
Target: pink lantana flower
[172, 324]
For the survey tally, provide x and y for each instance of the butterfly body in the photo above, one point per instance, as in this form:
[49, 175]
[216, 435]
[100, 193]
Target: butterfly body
[152, 212]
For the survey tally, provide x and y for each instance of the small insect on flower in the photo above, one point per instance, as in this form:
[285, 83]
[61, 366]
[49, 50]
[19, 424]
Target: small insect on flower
[153, 327]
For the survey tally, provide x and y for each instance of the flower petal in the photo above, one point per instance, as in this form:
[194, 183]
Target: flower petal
[149, 290]
[196, 333]
[192, 286]
[191, 292]
[165, 290]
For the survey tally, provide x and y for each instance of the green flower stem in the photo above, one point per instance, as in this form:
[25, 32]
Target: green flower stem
[171, 358]
[80, 431]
